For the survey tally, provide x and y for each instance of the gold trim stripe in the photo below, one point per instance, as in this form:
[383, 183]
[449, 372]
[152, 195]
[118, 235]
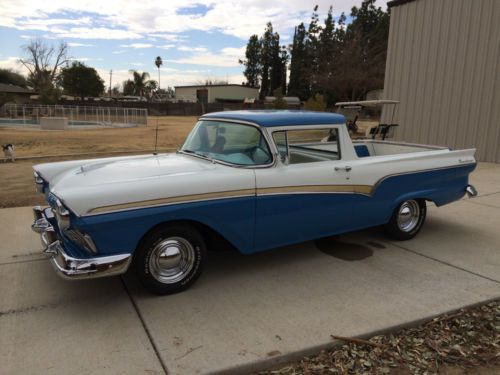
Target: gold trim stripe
[311, 189]
[360, 189]
[171, 200]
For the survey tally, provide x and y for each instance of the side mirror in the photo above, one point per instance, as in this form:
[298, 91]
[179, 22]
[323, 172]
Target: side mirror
[285, 160]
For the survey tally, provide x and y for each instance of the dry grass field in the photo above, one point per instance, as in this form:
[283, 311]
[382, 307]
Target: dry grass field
[31, 141]
[17, 187]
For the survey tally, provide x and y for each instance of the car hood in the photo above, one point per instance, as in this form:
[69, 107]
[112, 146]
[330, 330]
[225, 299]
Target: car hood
[86, 185]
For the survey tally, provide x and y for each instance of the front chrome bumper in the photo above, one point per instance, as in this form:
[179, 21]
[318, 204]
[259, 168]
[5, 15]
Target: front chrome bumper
[67, 266]
[471, 191]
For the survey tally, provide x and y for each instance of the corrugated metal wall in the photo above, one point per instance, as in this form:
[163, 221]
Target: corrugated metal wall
[443, 64]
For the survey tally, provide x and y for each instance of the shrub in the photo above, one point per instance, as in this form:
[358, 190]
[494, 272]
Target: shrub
[315, 103]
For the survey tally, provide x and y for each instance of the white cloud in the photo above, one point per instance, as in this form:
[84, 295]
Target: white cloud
[12, 63]
[45, 24]
[168, 37]
[172, 78]
[227, 58]
[192, 49]
[95, 33]
[118, 52]
[166, 46]
[137, 45]
[72, 44]
[162, 19]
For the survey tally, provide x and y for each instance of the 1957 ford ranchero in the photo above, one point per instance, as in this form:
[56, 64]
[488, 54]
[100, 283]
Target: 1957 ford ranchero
[254, 180]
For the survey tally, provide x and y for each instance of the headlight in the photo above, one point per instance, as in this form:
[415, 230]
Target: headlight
[40, 184]
[62, 215]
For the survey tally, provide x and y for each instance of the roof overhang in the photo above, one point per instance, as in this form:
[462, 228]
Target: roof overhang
[367, 103]
[395, 3]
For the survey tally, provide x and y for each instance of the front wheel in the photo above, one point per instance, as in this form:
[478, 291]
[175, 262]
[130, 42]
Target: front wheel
[407, 220]
[170, 259]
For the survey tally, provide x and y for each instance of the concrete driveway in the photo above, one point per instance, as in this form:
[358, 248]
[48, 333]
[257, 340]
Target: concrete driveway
[246, 312]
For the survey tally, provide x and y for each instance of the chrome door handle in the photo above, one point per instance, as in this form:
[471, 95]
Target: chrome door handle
[346, 168]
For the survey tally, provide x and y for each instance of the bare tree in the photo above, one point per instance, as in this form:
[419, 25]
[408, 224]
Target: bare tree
[43, 60]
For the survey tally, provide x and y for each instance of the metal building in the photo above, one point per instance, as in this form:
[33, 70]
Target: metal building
[227, 93]
[443, 64]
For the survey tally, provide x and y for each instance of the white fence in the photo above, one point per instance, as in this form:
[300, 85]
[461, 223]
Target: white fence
[30, 114]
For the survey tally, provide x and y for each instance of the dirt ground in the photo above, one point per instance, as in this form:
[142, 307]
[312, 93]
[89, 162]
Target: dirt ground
[17, 188]
[31, 141]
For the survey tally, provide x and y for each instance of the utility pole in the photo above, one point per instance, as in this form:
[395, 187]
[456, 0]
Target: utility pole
[110, 80]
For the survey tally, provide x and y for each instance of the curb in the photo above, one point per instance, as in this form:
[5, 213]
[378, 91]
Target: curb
[272, 363]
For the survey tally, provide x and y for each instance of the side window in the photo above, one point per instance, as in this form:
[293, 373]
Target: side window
[281, 144]
[307, 146]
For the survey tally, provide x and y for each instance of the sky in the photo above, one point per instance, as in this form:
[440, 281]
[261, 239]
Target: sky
[197, 39]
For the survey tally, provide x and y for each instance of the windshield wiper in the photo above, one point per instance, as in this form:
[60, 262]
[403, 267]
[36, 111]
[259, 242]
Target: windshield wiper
[195, 153]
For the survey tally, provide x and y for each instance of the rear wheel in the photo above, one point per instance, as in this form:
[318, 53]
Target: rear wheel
[170, 258]
[407, 220]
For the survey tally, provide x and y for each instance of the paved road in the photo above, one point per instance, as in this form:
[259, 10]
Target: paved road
[246, 312]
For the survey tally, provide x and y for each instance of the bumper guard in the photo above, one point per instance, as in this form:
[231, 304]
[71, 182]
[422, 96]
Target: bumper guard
[67, 266]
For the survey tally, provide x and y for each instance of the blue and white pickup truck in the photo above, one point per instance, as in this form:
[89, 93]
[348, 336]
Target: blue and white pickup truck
[254, 180]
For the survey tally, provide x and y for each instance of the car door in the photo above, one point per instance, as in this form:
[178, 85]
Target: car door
[307, 194]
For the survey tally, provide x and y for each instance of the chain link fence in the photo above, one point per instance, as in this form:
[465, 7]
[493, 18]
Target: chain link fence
[30, 114]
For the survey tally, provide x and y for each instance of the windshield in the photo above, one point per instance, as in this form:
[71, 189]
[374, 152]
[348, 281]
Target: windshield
[228, 142]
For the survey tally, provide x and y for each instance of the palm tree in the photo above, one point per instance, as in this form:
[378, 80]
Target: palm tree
[139, 82]
[158, 63]
[150, 88]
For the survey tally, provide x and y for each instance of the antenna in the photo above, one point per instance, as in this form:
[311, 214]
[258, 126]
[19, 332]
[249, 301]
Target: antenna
[156, 138]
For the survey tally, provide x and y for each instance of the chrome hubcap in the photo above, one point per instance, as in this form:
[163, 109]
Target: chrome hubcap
[408, 215]
[171, 260]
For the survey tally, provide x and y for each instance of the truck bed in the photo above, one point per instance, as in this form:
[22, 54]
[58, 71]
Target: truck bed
[369, 147]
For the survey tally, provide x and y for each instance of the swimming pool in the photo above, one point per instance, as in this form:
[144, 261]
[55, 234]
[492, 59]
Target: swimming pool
[21, 122]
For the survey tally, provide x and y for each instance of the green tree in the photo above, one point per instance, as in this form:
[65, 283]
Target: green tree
[266, 58]
[253, 61]
[299, 85]
[8, 76]
[128, 87]
[313, 50]
[279, 102]
[81, 80]
[366, 49]
[315, 103]
[279, 59]
[274, 60]
[138, 83]
[150, 88]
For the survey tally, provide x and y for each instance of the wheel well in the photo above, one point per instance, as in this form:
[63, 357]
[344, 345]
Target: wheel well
[213, 239]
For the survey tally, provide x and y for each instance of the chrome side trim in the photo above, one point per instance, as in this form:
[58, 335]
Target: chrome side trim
[72, 268]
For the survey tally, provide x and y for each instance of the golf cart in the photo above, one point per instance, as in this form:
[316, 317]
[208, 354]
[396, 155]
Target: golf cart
[351, 112]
